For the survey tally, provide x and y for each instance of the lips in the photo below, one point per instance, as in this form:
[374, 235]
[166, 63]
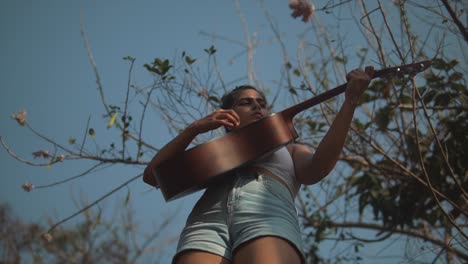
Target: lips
[257, 114]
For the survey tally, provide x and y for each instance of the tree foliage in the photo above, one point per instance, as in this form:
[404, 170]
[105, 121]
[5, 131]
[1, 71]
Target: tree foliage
[94, 239]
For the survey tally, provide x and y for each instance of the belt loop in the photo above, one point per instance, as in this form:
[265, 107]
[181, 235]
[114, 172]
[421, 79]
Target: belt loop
[258, 176]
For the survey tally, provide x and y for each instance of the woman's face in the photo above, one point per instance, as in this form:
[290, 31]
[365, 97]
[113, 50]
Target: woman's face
[250, 106]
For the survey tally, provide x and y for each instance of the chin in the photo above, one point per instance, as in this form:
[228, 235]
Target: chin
[252, 120]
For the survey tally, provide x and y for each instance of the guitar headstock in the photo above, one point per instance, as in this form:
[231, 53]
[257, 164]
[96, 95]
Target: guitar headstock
[404, 70]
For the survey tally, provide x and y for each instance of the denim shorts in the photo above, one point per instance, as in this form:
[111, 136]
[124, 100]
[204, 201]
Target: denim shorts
[234, 211]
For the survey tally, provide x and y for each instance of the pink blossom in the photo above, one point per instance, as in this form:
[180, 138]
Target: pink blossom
[41, 154]
[27, 186]
[46, 237]
[302, 8]
[60, 158]
[20, 117]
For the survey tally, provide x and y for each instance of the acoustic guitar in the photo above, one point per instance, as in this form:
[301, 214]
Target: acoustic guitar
[197, 167]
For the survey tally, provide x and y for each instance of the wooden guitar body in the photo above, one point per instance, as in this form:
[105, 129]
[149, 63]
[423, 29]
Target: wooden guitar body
[199, 166]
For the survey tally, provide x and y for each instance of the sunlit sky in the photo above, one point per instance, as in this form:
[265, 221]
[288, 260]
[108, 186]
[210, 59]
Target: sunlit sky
[45, 70]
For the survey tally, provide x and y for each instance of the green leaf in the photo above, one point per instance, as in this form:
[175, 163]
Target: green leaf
[211, 50]
[189, 60]
[112, 120]
[453, 63]
[429, 96]
[297, 72]
[159, 67]
[406, 99]
[439, 64]
[442, 99]
[341, 59]
[358, 124]
[114, 108]
[91, 132]
[97, 220]
[458, 87]
[129, 58]
[456, 76]
[356, 248]
[292, 90]
[127, 198]
[213, 98]
[71, 141]
[365, 98]
[152, 69]
[383, 117]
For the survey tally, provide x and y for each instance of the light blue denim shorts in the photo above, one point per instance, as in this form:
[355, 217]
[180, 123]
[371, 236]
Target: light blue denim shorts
[237, 210]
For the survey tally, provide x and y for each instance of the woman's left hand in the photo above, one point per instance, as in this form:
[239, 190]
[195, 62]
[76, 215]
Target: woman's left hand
[358, 81]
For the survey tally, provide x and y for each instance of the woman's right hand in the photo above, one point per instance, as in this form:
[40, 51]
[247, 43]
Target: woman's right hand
[221, 117]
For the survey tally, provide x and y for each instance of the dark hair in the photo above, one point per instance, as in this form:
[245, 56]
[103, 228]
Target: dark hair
[227, 101]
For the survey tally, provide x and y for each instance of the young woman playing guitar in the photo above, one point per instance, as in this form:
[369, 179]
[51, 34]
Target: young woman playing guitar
[251, 217]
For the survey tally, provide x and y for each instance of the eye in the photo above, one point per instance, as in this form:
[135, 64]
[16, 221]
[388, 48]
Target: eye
[261, 103]
[250, 101]
[244, 102]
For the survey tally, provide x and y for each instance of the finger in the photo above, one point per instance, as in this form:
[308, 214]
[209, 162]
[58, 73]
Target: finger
[348, 76]
[228, 123]
[352, 74]
[236, 116]
[370, 71]
[229, 117]
[219, 119]
[232, 114]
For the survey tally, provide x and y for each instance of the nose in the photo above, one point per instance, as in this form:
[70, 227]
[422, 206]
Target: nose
[256, 105]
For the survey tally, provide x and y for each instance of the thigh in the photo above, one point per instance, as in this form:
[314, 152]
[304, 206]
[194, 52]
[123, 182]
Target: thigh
[199, 257]
[267, 250]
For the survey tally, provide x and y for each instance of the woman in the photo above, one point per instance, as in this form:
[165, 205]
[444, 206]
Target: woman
[251, 217]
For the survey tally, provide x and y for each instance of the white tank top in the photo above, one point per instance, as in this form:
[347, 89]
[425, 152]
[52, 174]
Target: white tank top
[280, 164]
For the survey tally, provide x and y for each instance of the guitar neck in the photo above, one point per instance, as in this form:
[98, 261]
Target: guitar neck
[398, 71]
[290, 112]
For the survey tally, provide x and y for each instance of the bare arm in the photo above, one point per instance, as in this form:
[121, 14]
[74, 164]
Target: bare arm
[311, 168]
[177, 145]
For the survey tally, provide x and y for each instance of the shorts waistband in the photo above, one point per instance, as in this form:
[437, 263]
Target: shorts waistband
[257, 172]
